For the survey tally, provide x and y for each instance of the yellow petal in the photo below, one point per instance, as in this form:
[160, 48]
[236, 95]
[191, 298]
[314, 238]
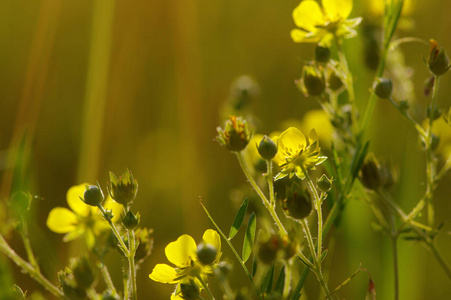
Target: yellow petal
[74, 201]
[164, 274]
[90, 239]
[337, 9]
[61, 220]
[292, 141]
[181, 251]
[308, 15]
[212, 237]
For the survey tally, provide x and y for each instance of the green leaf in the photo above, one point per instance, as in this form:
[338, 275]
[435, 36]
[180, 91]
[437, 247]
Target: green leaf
[323, 256]
[280, 281]
[254, 267]
[266, 285]
[238, 219]
[249, 237]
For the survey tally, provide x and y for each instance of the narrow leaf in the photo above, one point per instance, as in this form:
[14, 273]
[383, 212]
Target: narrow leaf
[254, 267]
[266, 285]
[280, 282]
[249, 237]
[238, 219]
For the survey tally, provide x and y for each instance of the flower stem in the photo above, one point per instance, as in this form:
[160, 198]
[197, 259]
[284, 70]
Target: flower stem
[233, 250]
[26, 241]
[394, 240]
[205, 286]
[108, 280]
[28, 268]
[131, 263]
[123, 247]
[271, 209]
[270, 179]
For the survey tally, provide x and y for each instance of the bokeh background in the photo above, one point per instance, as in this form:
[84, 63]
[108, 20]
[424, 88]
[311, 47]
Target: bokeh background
[88, 87]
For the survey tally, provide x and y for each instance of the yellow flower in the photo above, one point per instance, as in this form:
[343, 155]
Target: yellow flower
[296, 152]
[377, 8]
[182, 253]
[81, 219]
[321, 25]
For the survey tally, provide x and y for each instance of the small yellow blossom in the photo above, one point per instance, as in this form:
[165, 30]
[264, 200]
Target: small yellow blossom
[296, 152]
[321, 25]
[81, 219]
[182, 253]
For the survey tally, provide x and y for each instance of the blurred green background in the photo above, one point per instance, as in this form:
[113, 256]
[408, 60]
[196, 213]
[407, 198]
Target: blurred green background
[95, 86]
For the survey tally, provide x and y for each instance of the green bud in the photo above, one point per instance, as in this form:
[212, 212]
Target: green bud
[20, 203]
[267, 148]
[323, 183]
[370, 174]
[435, 141]
[267, 250]
[206, 253]
[123, 190]
[322, 54]
[334, 81]
[383, 87]
[312, 82]
[130, 221]
[298, 204]
[70, 290]
[438, 61]
[83, 273]
[93, 195]
[189, 291]
[236, 134]
[403, 105]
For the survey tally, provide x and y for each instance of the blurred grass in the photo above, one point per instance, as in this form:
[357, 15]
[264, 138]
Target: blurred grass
[104, 85]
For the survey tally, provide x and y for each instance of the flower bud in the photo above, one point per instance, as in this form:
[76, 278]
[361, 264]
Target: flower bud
[206, 253]
[236, 134]
[93, 195]
[267, 250]
[322, 54]
[298, 204]
[123, 190]
[312, 82]
[334, 81]
[130, 221]
[83, 273]
[383, 88]
[70, 290]
[267, 148]
[370, 174]
[438, 61]
[434, 115]
[189, 290]
[323, 183]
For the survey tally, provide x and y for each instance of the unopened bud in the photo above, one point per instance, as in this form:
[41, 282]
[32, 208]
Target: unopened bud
[322, 54]
[236, 134]
[370, 174]
[267, 148]
[383, 88]
[323, 183]
[93, 195]
[438, 61]
[312, 82]
[83, 273]
[130, 221]
[298, 204]
[206, 253]
[189, 290]
[123, 190]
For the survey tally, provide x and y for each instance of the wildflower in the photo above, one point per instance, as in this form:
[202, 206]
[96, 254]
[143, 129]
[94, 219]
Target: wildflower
[183, 254]
[236, 134]
[81, 219]
[296, 152]
[322, 25]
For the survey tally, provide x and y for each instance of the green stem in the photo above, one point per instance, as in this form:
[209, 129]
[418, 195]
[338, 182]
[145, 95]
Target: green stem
[123, 247]
[205, 286]
[233, 250]
[108, 280]
[29, 269]
[27, 245]
[408, 117]
[316, 260]
[262, 196]
[131, 263]
[444, 169]
[287, 283]
[430, 163]
[270, 179]
[394, 240]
